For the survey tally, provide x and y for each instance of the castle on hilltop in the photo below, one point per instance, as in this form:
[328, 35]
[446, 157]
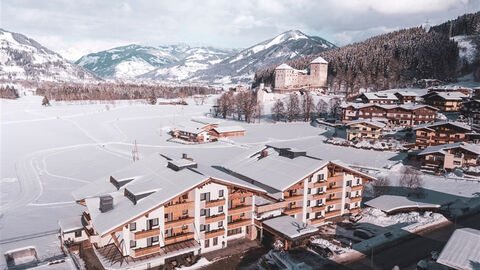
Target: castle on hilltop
[288, 79]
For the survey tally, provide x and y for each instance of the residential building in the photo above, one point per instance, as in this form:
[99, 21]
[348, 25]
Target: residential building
[442, 132]
[406, 97]
[471, 110]
[451, 88]
[450, 156]
[379, 98]
[227, 131]
[445, 101]
[461, 250]
[406, 115]
[204, 129]
[288, 79]
[364, 129]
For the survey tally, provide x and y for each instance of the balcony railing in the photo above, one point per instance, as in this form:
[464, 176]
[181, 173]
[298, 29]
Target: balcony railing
[86, 216]
[332, 213]
[239, 223]
[319, 196]
[270, 207]
[355, 199]
[293, 198]
[179, 238]
[215, 233]
[318, 208]
[239, 209]
[317, 220]
[147, 233]
[179, 222]
[334, 189]
[335, 178]
[215, 203]
[357, 188]
[333, 201]
[320, 184]
[292, 211]
[146, 250]
[216, 218]
[180, 206]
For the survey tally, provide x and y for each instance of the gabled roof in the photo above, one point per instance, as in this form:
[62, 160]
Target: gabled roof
[283, 66]
[319, 60]
[223, 129]
[441, 148]
[380, 96]
[406, 93]
[446, 95]
[462, 250]
[460, 125]
[367, 121]
[71, 224]
[387, 106]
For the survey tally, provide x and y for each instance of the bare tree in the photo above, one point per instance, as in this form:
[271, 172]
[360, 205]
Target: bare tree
[411, 180]
[278, 110]
[293, 107]
[153, 98]
[334, 106]
[381, 186]
[307, 106]
[225, 104]
[45, 101]
[321, 108]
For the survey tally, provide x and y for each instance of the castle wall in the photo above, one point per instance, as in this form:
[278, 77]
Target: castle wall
[290, 79]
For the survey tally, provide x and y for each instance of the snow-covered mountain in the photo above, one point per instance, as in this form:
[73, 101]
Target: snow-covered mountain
[242, 66]
[22, 58]
[163, 63]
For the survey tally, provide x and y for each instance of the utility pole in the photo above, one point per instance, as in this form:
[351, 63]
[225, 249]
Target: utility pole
[135, 151]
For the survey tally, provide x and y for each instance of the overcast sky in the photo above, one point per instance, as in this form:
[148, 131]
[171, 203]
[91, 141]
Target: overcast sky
[77, 27]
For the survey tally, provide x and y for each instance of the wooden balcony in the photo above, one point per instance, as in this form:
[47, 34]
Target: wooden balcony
[270, 207]
[86, 216]
[216, 233]
[319, 196]
[355, 210]
[215, 203]
[332, 213]
[293, 198]
[335, 189]
[146, 250]
[336, 178]
[179, 207]
[147, 233]
[293, 210]
[239, 195]
[320, 184]
[355, 199]
[216, 218]
[179, 238]
[239, 223]
[357, 188]
[333, 201]
[240, 209]
[318, 208]
[179, 222]
[317, 220]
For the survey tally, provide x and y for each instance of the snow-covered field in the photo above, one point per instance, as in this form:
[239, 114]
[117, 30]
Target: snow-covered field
[47, 152]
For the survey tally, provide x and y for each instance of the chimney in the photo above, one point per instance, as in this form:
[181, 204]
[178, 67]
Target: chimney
[264, 153]
[185, 156]
[106, 203]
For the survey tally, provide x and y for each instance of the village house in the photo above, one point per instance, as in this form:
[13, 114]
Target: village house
[288, 79]
[451, 88]
[379, 98]
[406, 115]
[204, 129]
[364, 129]
[442, 132]
[445, 101]
[227, 131]
[471, 110]
[163, 210]
[406, 97]
[449, 156]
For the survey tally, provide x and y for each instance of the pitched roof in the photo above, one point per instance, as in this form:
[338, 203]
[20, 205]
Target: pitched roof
[380, 96]
[441, 148]
[319, 60]
[390, 203]
[223, 129]
[367, 121]
[462, 250]
[290, 227]
[283, 66]
[445, 122]
[387, 106]
[71, 224]
[406, 93]
[446, 95]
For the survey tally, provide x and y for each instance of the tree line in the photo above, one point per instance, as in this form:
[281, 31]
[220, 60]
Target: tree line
[8, 92]
[391, 60]
[303, 108]
[242, 106]
[118, 91]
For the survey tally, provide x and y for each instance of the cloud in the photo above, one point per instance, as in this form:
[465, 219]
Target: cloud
[399, 6]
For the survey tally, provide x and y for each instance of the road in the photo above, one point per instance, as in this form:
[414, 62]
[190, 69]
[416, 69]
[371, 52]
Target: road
[407, 253]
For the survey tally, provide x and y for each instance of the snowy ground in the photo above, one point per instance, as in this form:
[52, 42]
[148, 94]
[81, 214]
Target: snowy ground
[47, 152]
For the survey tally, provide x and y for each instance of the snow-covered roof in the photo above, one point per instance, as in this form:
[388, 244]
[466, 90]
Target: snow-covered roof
[441, 148]
[319, 60]
[70, 224]
[406, 93]
[284, 66]
[445, 122]
[447, 95]
[392, 203]
[386, 106]
[290, 227]
[380, 96]
[367, 121]
[462, 250]
[223, 129]
[150, 176]
[207, 120]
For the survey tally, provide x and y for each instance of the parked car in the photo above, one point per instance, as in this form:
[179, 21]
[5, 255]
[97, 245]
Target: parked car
[356, 217]
[320, 249]
[364, 234]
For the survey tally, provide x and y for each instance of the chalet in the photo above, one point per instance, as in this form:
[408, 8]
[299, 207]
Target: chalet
[442, 132]
[405, 115]
[162, 210]
[450, 89]
[450, 156]
[471, 110]
[364, 129]
[445, 101]
[379, 98]
[227, 131]
[203, 129]
[406, 97]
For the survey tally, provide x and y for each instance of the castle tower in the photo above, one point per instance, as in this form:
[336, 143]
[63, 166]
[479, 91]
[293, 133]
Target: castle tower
[283, 76]
[318, 72]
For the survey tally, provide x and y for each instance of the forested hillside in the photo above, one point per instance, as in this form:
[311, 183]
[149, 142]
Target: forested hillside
[390, 60]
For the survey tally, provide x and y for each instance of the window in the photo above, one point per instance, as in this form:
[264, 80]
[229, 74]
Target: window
[220, 224]
[347, 194]
[169, 216]
[185, 212]
[242, 214]
[133, 226]
[242, 200]
[168, 232]
[308, 203]
[320, 190]
[320, 177]
[229, 219]
[308, 215]
[203, 212]
[155, 239]
[349, 183]
[207, 243]
[215, 241]
[78, 233]
[220, 193]
[309, 190]
[133, 243]
[184, 227]
[220, 209]
[152, 223]
[203, 196]
[234, 231]
[185, 196]
[152, 240]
